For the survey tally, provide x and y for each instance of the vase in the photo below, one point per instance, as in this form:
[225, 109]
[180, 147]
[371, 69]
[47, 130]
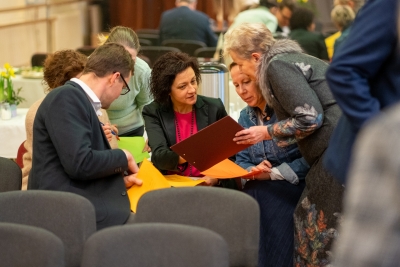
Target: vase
[5, 111]
[13, 108]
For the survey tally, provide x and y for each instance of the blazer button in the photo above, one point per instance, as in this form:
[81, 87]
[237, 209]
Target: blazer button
[123, 193]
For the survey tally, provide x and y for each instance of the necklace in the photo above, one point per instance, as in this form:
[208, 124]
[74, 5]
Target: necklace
[191, 133]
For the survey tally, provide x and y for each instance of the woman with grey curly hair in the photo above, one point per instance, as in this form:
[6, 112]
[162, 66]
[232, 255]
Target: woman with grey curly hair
[293, 83]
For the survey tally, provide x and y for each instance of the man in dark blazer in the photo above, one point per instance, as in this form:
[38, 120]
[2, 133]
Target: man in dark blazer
[184, 22]
[71, 151]
[364, 78]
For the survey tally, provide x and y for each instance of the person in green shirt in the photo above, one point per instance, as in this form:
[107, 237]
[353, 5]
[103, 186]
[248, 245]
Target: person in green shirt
[126, 112]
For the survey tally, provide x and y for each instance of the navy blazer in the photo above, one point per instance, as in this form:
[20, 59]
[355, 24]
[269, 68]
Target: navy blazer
[72, 154]
[187, 24]
[364, 77]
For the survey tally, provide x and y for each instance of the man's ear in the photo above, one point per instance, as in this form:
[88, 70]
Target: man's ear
[113, 77]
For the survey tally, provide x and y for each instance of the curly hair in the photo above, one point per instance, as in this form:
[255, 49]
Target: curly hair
[164, 73]
[248, 38]
[61, 66]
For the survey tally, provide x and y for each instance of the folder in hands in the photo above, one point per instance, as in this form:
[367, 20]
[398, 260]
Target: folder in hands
[209, 149]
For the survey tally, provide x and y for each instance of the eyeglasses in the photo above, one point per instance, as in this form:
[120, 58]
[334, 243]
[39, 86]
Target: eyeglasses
[126, 88]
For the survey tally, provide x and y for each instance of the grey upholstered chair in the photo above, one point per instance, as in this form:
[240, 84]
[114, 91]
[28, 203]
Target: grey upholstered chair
[155, 244]
[67, 215]
[23, 245]
[10, 175]
[230, 213]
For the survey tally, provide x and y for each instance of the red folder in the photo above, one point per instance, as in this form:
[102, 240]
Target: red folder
[211, 145]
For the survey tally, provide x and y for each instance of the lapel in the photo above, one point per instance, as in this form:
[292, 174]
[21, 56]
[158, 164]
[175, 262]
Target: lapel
[201, 110]
[168, 120]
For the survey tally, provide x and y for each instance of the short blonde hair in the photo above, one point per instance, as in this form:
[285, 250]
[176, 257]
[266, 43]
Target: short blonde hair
[248, 38]
[342, 15]
[121, 35]
[356, 3]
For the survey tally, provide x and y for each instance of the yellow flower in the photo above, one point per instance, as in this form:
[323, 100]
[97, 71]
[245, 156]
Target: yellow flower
[7, 66]
[3, 74]
[11, 72]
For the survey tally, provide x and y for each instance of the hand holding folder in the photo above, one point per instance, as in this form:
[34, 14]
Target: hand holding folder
[209, 149]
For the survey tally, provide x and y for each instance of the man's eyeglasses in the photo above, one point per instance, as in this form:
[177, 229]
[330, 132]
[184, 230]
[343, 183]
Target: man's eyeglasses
[126, 88]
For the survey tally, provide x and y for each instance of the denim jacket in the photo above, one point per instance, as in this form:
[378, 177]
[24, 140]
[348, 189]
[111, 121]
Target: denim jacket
[287, 160]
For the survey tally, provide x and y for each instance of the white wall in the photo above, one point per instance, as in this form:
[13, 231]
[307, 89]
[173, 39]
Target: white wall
[18, 43]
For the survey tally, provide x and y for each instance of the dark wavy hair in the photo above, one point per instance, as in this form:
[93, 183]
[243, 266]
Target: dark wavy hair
[59, 67]
[164, 73]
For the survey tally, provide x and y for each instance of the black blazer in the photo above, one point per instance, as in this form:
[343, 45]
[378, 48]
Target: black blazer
[72, 154]
[187, 24]
[160, 128]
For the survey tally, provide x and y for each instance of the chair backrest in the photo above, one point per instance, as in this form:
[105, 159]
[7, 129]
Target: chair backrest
[69, 216]
[206, 52]
[37, 59]
[155, 244]
[153, 38]
[10, 175]
[145, 42]
[20, 155]
[148, 31]
[232, 214]
[186, 46]
[87, 50]
[154, 52]
[23, 245]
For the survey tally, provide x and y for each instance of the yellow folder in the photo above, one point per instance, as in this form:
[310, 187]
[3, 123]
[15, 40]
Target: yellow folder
[152, 180]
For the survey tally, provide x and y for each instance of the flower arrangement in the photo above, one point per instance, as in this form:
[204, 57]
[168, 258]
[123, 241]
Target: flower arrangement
[7, 92]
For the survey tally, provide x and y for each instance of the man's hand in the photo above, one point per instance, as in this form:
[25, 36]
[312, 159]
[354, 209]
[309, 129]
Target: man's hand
[133, 169]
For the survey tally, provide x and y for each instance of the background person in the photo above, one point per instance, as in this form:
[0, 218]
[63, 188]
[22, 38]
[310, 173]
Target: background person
[58, 68]
[363, 78]
[294, 85]
[278, 189]
[302, 31]
[126, 111]
[178, 112]
[72, 154]
[184, 22]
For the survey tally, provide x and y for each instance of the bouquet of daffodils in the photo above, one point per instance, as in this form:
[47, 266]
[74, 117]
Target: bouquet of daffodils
[7, 92]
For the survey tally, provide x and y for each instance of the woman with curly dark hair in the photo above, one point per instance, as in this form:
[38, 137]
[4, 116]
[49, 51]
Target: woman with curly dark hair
[59, 67]
[178, 112]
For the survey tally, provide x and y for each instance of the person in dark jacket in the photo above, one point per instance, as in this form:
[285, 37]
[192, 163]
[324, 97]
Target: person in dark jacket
[184, 22]
[71, 151]
[302, 30]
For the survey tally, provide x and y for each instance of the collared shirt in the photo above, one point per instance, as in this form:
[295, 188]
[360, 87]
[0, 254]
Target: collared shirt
[94, 100]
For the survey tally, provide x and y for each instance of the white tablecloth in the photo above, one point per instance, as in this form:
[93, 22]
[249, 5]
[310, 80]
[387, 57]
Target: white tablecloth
[32, 90]
[12, 134]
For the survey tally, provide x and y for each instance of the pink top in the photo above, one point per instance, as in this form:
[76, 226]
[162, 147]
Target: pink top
[185, 126]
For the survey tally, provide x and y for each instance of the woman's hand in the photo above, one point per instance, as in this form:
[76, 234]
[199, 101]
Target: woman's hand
[209, 181]
[252, 135]
[265, 166]
[107, 131]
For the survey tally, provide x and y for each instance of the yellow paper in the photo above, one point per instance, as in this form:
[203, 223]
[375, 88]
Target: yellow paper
[225, 169]
[181, 181]
[152, 180]
[135, 145]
